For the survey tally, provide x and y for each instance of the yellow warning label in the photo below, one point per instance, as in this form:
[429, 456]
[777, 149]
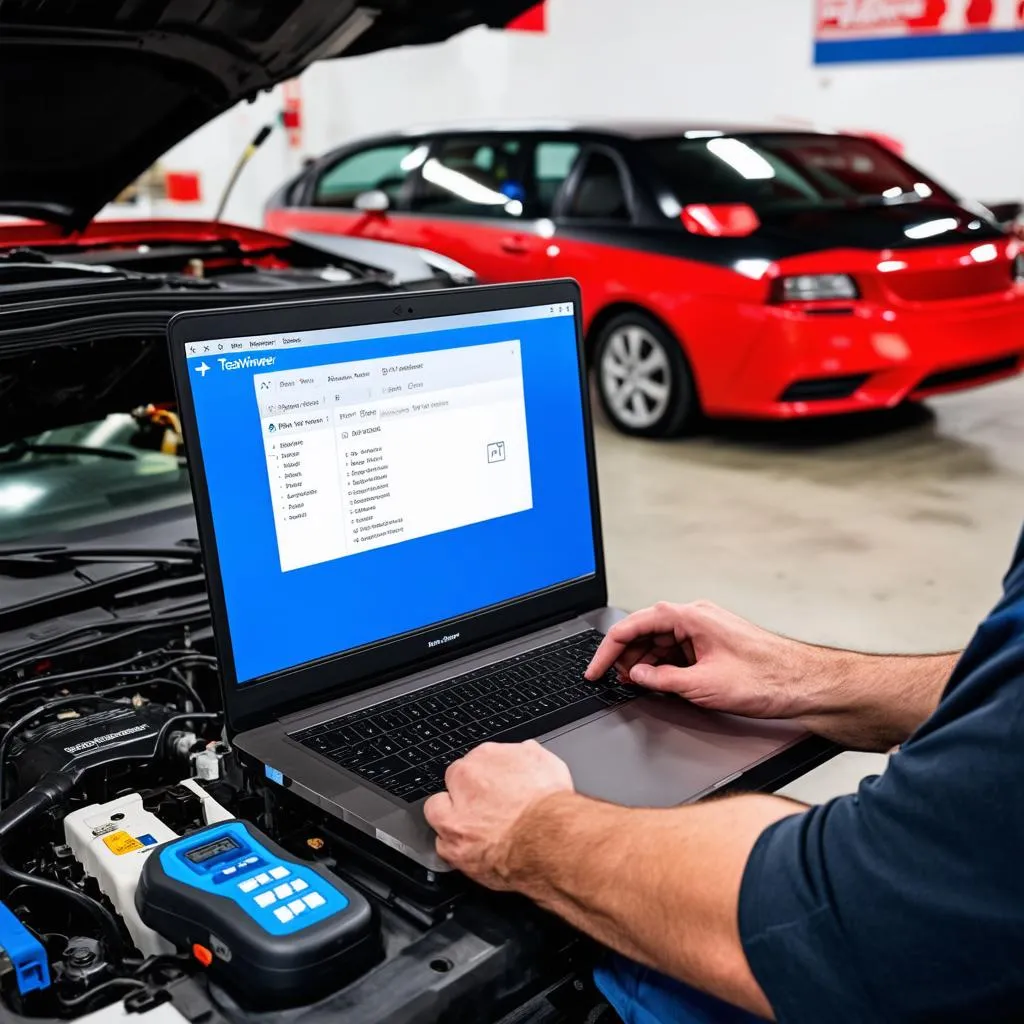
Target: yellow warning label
[120, 843]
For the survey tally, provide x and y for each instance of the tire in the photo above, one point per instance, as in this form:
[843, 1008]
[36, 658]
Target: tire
[643, 379]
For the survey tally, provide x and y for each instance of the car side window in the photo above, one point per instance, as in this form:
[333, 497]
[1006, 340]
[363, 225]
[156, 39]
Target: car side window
[474, 177]
[383, 167]
[552, 162]
[600, 192]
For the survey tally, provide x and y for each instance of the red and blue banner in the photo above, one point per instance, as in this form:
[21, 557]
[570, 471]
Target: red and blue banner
[871, 30]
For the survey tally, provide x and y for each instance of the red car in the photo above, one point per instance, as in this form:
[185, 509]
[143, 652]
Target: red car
[735, 272]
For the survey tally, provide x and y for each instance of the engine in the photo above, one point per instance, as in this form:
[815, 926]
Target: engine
[126, 818]
[99, 707]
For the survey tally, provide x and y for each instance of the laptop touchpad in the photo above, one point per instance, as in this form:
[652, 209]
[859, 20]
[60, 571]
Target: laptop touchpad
[659, 751]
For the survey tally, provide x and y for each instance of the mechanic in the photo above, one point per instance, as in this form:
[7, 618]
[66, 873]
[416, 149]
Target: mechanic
[903, 902]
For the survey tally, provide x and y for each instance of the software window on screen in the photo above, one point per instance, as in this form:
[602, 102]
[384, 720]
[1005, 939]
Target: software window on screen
[373, 452]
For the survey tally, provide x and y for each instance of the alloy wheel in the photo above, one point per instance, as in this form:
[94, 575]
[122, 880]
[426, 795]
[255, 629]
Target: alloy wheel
[636, 376]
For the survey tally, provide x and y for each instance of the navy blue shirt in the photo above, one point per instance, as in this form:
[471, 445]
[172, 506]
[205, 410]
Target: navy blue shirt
[905, 901]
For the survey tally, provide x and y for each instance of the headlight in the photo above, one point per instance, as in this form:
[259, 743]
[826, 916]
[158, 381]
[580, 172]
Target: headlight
[1018, 268]
[814, 288]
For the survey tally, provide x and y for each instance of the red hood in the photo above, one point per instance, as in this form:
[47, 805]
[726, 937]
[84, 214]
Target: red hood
[136, 232]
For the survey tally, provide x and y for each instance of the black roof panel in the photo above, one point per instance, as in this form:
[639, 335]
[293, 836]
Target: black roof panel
[633, 129]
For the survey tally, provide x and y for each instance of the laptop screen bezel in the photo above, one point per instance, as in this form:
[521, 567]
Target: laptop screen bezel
[260, 700]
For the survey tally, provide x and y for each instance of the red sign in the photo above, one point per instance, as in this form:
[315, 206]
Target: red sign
[886, 16]
[291, 115]
[904, 29]
[533, 20]
[183, 186]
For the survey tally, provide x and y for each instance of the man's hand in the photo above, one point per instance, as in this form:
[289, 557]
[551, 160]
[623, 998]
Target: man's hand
[719, 661]
[712, 658]
[489, 790]
[659, 886]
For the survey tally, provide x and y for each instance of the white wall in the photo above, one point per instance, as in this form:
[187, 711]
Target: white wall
[213, 151]
[963, 120]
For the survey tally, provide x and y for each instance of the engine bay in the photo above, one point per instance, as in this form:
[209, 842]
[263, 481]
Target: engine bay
[192, 264]
[113, 749]
[112, 754]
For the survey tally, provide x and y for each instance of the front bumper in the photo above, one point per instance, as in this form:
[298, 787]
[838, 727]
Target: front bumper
[816, 364]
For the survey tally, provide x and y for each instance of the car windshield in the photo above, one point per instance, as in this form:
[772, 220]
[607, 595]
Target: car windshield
[786, 170]
[91, 473]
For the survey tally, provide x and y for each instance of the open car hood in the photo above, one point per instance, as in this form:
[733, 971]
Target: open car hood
[91, 94]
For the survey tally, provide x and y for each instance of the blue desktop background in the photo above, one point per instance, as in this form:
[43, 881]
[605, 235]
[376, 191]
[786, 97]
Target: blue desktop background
[278, 620]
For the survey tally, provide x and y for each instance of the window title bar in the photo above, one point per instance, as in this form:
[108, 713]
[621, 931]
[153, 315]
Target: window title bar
[367, 332]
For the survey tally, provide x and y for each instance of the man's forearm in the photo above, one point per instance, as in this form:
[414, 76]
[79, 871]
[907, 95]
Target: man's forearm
[872, 702]
[659, 886]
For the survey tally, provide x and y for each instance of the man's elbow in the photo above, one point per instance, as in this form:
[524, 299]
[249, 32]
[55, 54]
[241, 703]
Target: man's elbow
[727, 975]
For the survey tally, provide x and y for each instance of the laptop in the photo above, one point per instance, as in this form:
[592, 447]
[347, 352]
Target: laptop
[398, 510]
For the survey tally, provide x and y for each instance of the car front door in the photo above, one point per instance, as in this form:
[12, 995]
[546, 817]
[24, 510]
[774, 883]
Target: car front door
[485, 201]
[362, 192]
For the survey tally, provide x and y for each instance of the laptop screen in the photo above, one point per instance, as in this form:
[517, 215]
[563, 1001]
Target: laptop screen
[368, 482]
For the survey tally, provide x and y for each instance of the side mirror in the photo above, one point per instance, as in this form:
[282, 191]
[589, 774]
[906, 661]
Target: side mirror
[374, 201]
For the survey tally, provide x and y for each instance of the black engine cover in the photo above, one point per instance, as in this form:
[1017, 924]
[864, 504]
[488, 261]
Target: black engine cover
[103, 737]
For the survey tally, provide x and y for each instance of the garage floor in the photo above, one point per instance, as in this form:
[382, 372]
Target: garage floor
[888, 533]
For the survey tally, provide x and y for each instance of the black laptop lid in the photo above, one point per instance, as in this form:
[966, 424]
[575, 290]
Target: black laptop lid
[382, 483]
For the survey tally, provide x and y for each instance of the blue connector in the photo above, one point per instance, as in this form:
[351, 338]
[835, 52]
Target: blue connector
[25, 953]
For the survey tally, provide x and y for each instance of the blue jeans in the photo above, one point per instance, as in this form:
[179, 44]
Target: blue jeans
[642, 996]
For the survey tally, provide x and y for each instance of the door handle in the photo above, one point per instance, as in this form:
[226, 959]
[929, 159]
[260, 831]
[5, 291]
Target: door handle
[515, 244]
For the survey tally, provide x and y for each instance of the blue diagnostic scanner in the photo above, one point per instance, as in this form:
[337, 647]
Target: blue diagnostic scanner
[268, 925]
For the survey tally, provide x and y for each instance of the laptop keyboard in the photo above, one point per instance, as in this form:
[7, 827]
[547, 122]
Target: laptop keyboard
[406, 744]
